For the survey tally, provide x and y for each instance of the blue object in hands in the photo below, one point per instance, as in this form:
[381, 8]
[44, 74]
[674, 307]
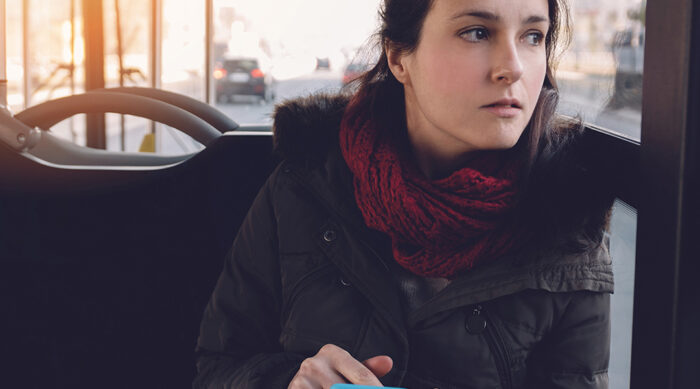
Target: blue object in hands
[351, 386]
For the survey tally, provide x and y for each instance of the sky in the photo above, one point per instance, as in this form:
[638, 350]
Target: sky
[321, 24]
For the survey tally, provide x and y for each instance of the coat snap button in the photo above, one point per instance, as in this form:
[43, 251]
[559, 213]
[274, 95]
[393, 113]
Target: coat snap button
[475, 323]
[329, 236]
[343, 282]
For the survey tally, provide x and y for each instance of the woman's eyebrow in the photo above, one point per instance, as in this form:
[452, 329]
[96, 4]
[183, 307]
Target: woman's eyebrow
[536, 19]
[490, 16]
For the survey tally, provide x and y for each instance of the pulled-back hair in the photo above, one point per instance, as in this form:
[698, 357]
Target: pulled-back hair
[544, 147]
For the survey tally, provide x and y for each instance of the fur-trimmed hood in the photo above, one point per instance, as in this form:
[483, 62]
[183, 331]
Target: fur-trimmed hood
[307, 127]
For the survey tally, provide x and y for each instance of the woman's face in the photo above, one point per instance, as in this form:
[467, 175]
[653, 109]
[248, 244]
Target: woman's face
[474, 79]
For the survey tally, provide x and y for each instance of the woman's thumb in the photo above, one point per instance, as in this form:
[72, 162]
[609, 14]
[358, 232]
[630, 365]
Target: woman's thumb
[379, 365]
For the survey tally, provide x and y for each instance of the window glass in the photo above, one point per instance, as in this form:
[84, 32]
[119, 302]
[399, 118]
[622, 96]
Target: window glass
[183, 51]
[127, 45]
[13, 47]
[54, 58]
[623, 230]
[183, 47]
[600, 76]
[262, 58]
[54, 25]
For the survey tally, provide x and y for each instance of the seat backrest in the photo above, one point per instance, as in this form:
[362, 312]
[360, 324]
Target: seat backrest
[105, 272]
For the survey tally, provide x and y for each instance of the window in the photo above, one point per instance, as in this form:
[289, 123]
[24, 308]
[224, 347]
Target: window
[600, 76]
[299, 49]
[14, 53]
[126, 50]
[51, 55]
[623, 230]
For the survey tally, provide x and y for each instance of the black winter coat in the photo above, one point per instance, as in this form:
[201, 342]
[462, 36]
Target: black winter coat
[305, 271]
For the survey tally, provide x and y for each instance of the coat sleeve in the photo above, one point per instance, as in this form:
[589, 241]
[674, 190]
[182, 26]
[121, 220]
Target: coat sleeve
[576, 353]
[238, 343]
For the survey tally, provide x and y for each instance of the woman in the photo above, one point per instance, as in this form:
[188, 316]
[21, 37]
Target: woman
[437, 229]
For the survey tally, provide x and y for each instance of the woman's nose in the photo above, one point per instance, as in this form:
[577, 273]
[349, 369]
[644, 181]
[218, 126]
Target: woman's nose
[506, 66]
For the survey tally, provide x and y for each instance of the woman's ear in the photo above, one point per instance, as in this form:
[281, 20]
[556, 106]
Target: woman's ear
[396, 61]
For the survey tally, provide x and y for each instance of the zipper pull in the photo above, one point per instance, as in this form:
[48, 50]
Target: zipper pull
[475, 323]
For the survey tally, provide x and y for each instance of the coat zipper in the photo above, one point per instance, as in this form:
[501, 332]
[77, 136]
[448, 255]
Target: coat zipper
[495, 342]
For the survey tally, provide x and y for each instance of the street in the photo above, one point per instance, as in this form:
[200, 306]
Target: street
[248, 111]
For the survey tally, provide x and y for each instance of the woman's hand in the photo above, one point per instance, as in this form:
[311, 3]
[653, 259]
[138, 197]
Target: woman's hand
[333, 365]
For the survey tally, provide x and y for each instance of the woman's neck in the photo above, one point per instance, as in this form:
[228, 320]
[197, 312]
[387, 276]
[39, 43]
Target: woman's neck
[436, 153]
[434, 159]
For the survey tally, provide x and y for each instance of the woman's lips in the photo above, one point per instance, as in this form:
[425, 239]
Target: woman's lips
[502, 111]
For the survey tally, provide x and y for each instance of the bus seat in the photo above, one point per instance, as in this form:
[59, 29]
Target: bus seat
[105, 272]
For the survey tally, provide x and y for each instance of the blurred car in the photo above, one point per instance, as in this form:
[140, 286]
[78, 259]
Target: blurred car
[241, 76]
[323, 64]
[628, 51]
[353, 71]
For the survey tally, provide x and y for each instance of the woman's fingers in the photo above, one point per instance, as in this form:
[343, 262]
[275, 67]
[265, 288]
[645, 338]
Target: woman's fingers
[332, 365]
[331, 380]
[315, 373]
[350, 368]
[379, 365]
[315, 379]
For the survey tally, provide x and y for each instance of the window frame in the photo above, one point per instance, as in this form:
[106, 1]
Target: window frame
[662, 340]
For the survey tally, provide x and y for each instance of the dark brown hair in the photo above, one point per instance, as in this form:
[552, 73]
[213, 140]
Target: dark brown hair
[402, 21]
[544, 146]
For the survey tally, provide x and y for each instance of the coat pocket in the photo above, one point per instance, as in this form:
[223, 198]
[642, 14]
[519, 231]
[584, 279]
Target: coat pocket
[320, 307]
[292, 289]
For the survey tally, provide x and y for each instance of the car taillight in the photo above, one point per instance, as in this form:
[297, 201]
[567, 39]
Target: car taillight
[257, 73]
[219, 73]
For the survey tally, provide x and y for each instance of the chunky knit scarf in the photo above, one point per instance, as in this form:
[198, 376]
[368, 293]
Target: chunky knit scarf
[438, 228]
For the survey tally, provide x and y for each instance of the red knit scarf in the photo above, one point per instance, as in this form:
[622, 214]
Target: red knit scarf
[438, 228]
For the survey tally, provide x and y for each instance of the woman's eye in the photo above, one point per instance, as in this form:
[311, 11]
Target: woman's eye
[534, 38]
[475, 34]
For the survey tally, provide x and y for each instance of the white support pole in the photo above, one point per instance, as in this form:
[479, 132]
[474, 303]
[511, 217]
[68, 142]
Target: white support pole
[3, 57]
[3, 37]
[208, 45]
